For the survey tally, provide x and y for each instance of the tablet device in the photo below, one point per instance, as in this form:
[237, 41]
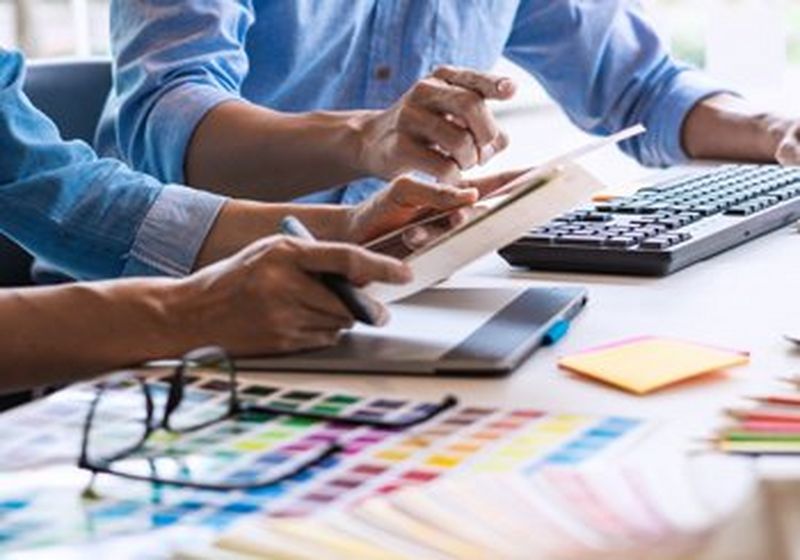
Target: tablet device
[534, 198]
[441, 331]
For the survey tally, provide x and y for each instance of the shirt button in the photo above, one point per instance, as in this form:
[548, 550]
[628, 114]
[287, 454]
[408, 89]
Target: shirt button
[383, 72]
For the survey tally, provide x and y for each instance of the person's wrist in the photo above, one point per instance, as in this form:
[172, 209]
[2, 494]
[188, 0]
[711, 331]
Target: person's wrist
[154, 312]
[328, 222]
[363, 129]
[179, 314]
[728, 127]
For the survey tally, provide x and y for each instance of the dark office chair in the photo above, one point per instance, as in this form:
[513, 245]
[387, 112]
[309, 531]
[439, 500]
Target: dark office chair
[72, 93]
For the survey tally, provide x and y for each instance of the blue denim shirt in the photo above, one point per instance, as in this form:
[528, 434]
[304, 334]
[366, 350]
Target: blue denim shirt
[600, 59]
[89, 217]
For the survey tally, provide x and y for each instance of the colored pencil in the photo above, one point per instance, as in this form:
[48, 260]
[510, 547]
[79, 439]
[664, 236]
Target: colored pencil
[770, 414]
[744, 435]
[758, 447]
[781, 400]
[770, 426]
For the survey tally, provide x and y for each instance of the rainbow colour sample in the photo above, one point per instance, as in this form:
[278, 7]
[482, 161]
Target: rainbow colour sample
[44, 506]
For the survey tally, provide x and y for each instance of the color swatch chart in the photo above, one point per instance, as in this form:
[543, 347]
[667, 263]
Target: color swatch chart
[660, 510]
[45, 507]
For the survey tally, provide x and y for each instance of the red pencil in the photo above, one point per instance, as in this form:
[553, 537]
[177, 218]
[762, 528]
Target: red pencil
[767, 414]
[770, 426]
[785, 400]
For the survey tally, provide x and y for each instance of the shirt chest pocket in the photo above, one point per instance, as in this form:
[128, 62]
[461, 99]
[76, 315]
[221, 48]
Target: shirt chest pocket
[473, 33]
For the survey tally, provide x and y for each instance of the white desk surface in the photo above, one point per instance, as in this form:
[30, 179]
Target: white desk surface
[743, 299]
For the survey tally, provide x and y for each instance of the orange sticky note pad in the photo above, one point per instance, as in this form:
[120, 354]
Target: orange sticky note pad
[645, 364]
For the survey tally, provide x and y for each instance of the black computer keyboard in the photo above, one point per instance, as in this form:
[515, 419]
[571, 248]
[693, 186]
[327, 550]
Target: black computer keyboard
[667, 226]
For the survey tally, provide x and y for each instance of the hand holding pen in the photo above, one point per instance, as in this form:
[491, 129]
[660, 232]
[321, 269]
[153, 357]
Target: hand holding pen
[357, 303]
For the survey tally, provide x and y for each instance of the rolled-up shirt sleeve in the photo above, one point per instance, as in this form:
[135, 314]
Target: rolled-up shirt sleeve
[604, 62]
[92, 218]
[172, 232]
[175, 62]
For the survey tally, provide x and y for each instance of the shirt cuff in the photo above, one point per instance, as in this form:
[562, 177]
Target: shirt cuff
[688, 88]
[172, 232]
[176, 117]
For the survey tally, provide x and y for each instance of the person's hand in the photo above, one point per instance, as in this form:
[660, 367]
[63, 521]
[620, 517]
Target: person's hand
[266, 299]
[788, 151]
[402, 202]
[441, 126]
[406, 200]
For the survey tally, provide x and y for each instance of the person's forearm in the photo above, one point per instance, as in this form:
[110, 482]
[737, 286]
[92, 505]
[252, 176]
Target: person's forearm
[726, 127]
[247, 151]
[241, 222]
[60, 334]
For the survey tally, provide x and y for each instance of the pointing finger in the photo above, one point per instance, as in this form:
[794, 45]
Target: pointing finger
[487, 85]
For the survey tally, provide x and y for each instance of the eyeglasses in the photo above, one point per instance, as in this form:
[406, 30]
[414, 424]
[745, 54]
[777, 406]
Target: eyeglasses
[127, 411]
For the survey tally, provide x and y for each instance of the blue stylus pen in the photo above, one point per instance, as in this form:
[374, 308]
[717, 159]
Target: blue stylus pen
[336, 283]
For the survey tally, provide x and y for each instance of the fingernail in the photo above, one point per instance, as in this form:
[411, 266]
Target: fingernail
[471, 193]
[406, 275]
[418, 236]
[381, 316]
[505, 87]
[401, 273]
[487, 153]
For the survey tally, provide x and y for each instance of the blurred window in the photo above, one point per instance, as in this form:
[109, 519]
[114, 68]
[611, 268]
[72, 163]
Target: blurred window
[753, 45]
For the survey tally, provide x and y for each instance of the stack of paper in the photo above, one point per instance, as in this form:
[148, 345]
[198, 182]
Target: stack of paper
[610, 512]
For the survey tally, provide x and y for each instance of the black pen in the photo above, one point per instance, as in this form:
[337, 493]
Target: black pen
[336, 283]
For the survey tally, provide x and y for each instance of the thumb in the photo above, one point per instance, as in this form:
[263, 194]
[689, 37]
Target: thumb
[788, 152]
[487, 185]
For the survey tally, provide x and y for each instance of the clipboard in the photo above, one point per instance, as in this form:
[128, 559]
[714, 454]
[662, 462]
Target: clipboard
[446, 331]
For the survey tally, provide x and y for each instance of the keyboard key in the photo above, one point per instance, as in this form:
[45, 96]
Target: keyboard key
[645, 220]
[637, 237]
[675, 238]
[653, 229]
[655, 243]
[595, 240]
[597, 217]
[673, 223]
[741, 210]
[707, 209]
[694, 216]
[620, 241]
